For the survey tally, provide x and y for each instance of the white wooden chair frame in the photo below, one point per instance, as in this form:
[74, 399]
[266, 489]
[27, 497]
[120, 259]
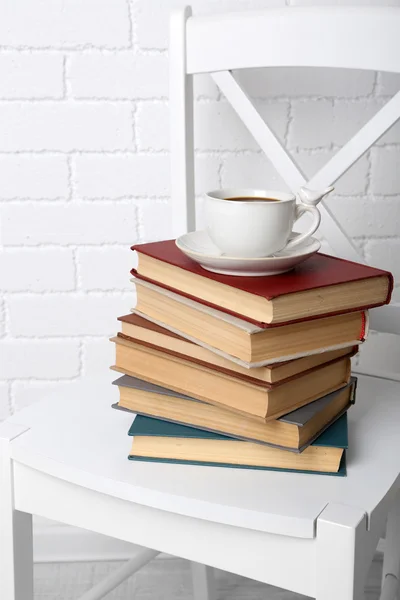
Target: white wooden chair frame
[289, 37]
[331, 559]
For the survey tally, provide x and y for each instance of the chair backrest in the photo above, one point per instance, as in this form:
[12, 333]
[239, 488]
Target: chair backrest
[340, 37]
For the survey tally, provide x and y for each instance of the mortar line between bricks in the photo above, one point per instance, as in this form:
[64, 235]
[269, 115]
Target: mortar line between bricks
[82, 49]
[62, 48]
[86, 202]
[368, 183]
[64, 77]
[39, 380]
[289, 123]
[76, 152]
[81, 361]
[25, 199]
[11, 397]
[3, 318]
[63, 338]
[39, 248]
[200, 98]
[59, 338]
[220, 171]
[135, 139]
[93, 100]
[70, 183]
[136, 227]
[75, 262]
[68, 95]
[198, 151]
[86, 50]
[314, 150]
[374, 92]
[74, 294]
[143, 51]
[162, 100]
[48, 292]
[134, 25]
[130, 23]
[6, 317]
[41, 245]
[153, 100]
[32, 99]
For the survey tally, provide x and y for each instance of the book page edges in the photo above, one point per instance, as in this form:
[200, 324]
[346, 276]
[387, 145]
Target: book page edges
[248, 365]
[141, 249]
[203, 308]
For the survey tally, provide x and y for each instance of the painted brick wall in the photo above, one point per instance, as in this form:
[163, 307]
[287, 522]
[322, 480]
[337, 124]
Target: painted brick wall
[84, 170]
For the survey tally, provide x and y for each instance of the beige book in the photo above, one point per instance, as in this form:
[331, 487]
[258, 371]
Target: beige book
[260, 399]
[237, 339]
[232, 452]
[136, 328]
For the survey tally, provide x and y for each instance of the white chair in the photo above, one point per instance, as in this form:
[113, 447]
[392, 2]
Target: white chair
[64, 458]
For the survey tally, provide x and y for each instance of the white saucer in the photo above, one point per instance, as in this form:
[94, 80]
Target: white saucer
[199, 247]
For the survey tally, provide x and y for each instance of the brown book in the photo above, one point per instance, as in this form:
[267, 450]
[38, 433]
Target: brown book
[262, 400]
[321, 285]
[241, 341]
[293, 431]
[137, 329]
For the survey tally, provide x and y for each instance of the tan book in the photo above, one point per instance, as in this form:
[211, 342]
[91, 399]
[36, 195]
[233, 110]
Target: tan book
[136, 328]
[293, 431]
[244, 342]
[260, 399]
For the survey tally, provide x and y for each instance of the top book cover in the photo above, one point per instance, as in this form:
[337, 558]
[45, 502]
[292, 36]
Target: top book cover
[322, 285]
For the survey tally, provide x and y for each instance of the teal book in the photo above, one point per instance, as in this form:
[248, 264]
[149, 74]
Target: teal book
[155, 440]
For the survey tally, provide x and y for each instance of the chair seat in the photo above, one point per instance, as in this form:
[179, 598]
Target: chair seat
[75, 436]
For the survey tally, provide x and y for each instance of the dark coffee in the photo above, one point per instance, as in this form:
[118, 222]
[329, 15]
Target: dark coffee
[252, 199]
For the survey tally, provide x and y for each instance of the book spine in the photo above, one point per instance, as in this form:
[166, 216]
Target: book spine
[353, 384]
[364, 326]
[390, 288]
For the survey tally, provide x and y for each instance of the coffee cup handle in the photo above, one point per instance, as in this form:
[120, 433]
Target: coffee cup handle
[300, 210]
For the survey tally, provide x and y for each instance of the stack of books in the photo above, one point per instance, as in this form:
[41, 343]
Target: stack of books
[249, 372]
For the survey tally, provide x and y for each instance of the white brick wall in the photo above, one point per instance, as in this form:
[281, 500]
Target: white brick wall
[65, 126]
[34, 176]
[84, 170]
[24, 75]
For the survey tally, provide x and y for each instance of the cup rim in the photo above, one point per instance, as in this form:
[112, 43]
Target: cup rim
[221, 195]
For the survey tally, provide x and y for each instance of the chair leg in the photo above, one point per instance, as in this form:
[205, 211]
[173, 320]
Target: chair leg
[341, 541]
[203, 582]
[16, 547]
[391, 557]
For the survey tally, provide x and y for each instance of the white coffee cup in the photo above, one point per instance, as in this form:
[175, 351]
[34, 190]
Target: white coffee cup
[255, 223]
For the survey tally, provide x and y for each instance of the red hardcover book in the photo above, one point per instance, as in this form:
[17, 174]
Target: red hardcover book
[322, 285]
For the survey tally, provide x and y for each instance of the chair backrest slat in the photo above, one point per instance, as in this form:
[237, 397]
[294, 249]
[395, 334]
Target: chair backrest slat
[342, 37]
[284, 163]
